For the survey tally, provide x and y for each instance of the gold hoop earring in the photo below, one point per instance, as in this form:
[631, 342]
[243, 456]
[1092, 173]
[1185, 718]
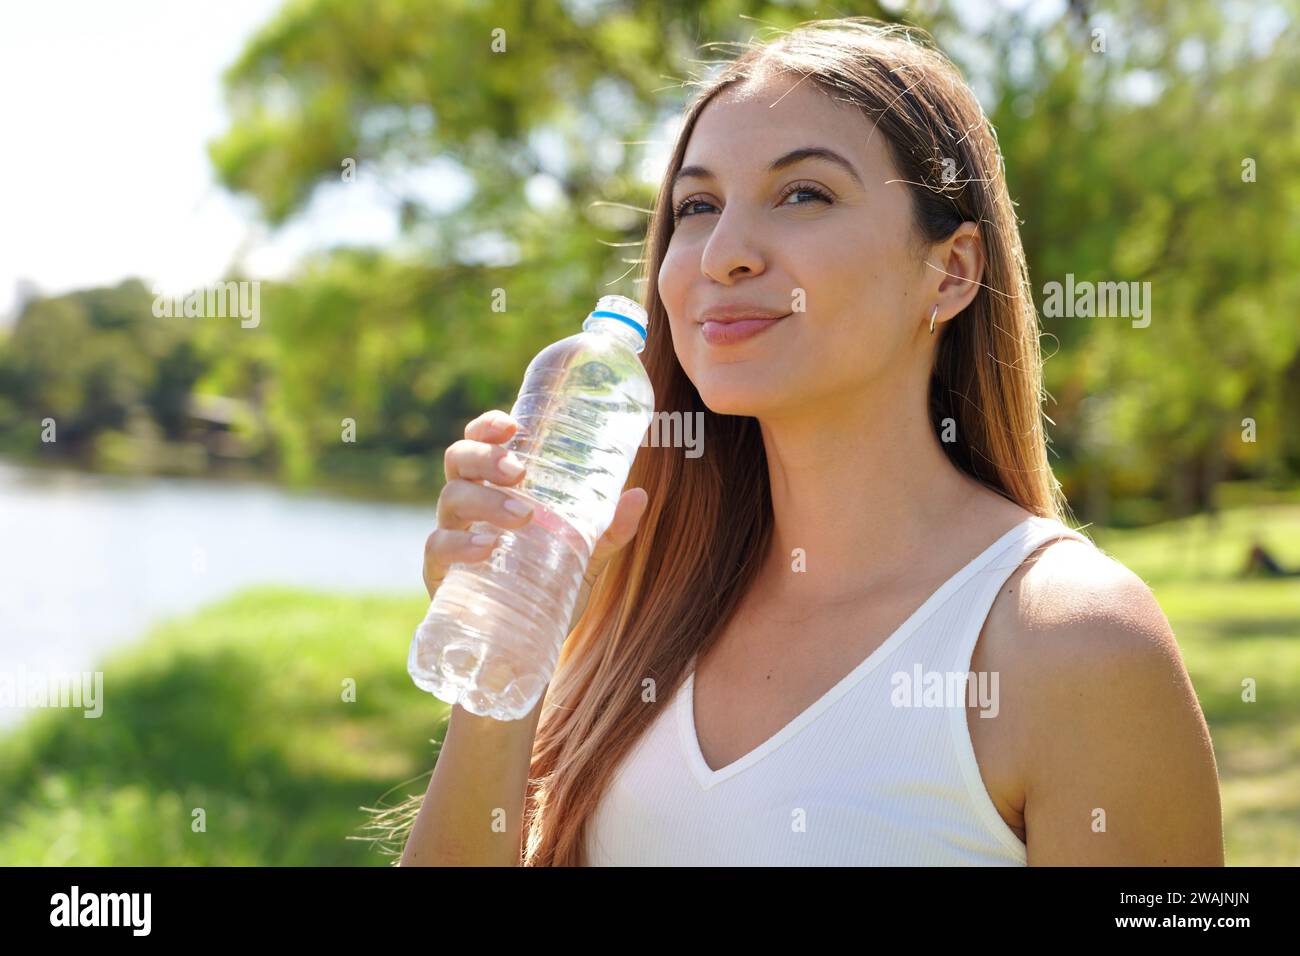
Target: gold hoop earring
[932, 315]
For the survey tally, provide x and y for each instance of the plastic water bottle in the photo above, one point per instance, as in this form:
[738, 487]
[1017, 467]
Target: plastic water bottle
[492, 636]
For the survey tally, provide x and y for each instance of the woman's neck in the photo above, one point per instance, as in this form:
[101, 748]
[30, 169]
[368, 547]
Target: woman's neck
[864, 491]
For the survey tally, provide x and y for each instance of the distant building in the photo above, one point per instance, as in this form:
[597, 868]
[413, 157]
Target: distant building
[211, 422]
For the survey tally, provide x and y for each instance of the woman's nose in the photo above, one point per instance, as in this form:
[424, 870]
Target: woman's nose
[733, 247]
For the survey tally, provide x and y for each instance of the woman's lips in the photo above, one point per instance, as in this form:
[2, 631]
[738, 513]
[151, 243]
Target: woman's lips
[724, 333]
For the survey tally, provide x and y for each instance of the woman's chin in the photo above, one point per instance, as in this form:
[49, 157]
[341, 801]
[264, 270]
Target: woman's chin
[734, 401]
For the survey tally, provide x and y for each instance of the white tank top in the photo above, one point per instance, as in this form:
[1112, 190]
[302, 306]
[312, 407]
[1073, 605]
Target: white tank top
[879, 771]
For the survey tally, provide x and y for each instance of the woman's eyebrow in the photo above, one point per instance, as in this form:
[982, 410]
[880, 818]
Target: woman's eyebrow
[781, 162]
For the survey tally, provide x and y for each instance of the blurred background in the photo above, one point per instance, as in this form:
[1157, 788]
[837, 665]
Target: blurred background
[224, 514]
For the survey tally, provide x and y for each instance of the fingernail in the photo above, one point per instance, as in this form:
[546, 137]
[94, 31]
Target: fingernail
[483, 538]
[515, 506]
[511, 466]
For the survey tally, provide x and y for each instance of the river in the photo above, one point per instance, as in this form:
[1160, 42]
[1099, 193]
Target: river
[89, 562]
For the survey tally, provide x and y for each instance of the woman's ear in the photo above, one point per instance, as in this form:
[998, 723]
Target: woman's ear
[958, 262]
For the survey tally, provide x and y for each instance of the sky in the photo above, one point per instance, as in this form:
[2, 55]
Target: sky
[105, 112]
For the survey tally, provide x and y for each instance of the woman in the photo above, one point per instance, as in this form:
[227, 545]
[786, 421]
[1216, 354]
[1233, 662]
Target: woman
[763, 669]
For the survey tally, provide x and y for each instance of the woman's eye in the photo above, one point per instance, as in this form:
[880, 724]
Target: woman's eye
[813, 190]
[682, 210]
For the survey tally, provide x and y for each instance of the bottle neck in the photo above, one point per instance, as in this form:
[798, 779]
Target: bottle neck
[620, 330]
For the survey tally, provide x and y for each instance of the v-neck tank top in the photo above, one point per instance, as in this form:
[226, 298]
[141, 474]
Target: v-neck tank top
[879, 771]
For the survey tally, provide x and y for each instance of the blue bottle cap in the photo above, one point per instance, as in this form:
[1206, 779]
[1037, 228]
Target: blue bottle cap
[623, 309]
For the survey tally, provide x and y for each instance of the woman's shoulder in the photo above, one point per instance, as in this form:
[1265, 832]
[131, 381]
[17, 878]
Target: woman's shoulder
[1071, 612]
[1068, 587]
[1070, 605]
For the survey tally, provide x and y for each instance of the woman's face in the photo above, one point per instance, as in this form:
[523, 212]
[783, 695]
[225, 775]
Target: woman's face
[844, 270]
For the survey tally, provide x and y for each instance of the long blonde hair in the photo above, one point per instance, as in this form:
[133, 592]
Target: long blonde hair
[663, 598]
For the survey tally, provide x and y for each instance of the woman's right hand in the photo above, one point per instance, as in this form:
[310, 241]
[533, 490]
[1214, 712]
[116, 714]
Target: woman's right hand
[473, 466]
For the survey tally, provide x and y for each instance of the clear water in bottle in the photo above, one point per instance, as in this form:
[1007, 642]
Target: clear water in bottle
[492, 636]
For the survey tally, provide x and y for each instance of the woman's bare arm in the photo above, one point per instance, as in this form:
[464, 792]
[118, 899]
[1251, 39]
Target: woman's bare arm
[474, 806]
[1120, 767]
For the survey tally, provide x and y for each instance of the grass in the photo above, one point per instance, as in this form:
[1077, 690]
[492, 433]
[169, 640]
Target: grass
[239, 711]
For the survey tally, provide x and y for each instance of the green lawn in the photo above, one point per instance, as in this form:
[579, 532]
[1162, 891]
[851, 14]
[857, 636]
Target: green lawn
[238, 710]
